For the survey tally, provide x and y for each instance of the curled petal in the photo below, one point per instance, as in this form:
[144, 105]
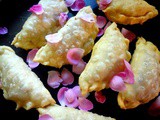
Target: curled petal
[101, 32]
[67, 77]
[63, 18]
[30, 57]
[61, 97]
[100, 97]
[117, 84]
[101, 21]
[53, 38]
[88, 18]
[45, 117]
[69, 3]
[128, 34]
[77, 5]
[85, 104]
[54, 79]
[103, 4]
[78, 69]
[37, 9]
[74, 55]
[3, 30]
[154, 108]
[77, 91]
[107, 25]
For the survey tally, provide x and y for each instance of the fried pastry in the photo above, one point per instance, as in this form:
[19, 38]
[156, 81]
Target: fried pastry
[145, 64]
[37, 27]
[129, 11]
[106, 60]
[76, 33]
[68, 113]
[19, 83]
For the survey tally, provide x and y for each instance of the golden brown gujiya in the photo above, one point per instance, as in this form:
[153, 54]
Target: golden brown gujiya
[145, 64]
[129, 11]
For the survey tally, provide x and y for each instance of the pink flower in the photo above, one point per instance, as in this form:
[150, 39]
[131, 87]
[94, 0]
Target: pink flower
[128, 34]
[3, 30]
[53, 38]
[45, 117]
[37, 9]
[67, 77]
[78, 69]
[101, 21]
[100, 97]
[103, 4]
[72, 98]
[75, 5]
[63, 18]
[88, 18]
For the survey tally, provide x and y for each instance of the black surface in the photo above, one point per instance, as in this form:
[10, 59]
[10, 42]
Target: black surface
[13, 15]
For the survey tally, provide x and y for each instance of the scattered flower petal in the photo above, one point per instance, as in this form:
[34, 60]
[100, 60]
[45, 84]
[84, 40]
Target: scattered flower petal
[3, 30]
[74, 55]
[77, 91]
[101, 32]
[45, 117]
[88, 17]
[85, 104]
[69, 3]
[53, 38]
[101, 21]
[54, 79]
[154, 108]
[103, 4]
[117, 84]
[107, 25]
[78, 69]
[128, 34]
[60, 95]
[63, 18]
[77, 5]
[67, 77]
[37, 9]
[100, 97]
[30, 57]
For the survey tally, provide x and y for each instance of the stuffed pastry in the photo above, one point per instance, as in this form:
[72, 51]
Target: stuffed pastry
[76, 33]
[68, 113]
[129, 11]
[36, 27]
[19, 83]
[145, 64]
[106, 60]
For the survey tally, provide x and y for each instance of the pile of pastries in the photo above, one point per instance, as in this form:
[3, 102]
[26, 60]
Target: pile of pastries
[107, 56]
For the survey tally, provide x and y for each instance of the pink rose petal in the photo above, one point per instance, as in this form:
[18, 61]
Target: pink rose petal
[101, 21]
[103, 4]
[45, 117]
[67, 77]
[117, 84]
[37, 9]
[88, 18]
[77, 5]
[63, 18]
[54, 79]
[85, 104]
[53, 38]
[78, 69]
[101, 32]
[100, 97]
[69, 3]
[60, 95]
[3, 30]
[74, 55]
[30, 57]
[154, 108]
[128, 34]
[107, 25]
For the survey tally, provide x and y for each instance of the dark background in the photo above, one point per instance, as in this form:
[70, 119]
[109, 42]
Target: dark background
[13, 14]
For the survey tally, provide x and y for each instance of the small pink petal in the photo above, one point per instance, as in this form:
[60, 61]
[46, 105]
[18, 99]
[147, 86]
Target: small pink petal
[101, 21]
[77, 91]
[30, 57]
[67, 77]
[54, 79]
[88, 18]
[100, 97]
[77, 5]
[103, 4]
[107, 25]
[78, 69]
[128, 34]
[74, 55]
[101, 32]
[60, 95]
[154, 108]
[3, 30]
[37, 9]
[53, 38]
[69, 3]
[117, 84]
[45, 117]
[63, 18]
[85, 104]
